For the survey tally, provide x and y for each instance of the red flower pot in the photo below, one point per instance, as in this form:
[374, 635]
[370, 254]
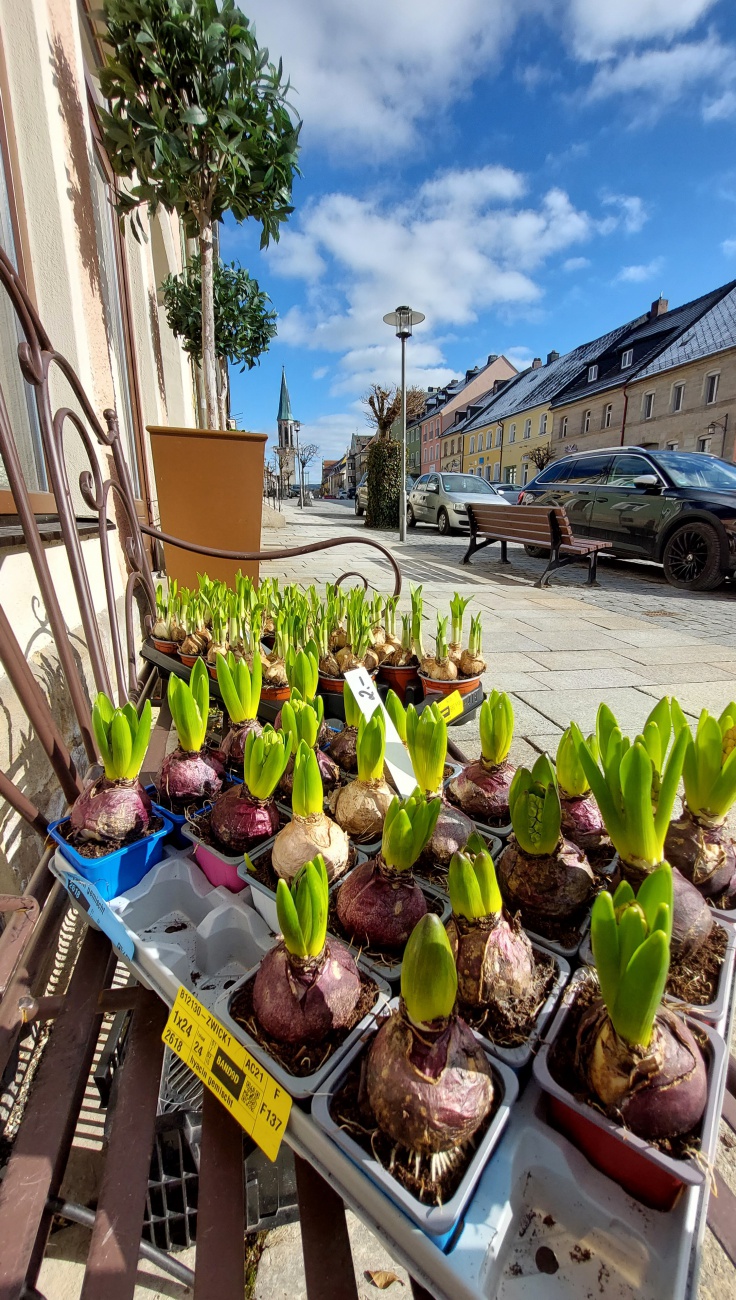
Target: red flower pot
[398, 679]
[462, 684]
[165, 647]
[274, 693]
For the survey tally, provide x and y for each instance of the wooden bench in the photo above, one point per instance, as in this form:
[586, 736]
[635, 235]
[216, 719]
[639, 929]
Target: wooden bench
[544, 526]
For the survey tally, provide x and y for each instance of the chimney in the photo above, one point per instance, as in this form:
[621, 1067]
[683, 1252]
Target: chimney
[552, 356]
[537, 363]
[659, 307]
[492, 356]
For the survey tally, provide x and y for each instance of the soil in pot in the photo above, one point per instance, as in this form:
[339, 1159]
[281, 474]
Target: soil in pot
[264, 873]
[695, 979]
[301, 1059]
[93, 849]
[428, 1179]
[511, 1025]
[561, 1061]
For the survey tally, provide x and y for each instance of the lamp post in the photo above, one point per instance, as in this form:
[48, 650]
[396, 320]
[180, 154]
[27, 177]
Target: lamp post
[403, 319]
[723, 426]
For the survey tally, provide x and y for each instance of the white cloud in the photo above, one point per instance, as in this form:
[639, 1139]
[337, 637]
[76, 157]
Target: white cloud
[721, 108]
[653, 79]
[319, 373]
[637, 274]
[599, 28]
[364, 76]
[729, 247]
[576, 264]
[630, 213]
[477, 251]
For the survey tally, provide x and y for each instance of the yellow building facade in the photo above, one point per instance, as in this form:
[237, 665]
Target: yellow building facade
[500, 450]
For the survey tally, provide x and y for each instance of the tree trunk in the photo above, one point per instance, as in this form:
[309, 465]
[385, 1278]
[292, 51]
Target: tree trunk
[222, 391]
[209, 358]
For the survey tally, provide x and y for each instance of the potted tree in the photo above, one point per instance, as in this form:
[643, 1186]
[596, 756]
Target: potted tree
[386, 475]
[197, 123]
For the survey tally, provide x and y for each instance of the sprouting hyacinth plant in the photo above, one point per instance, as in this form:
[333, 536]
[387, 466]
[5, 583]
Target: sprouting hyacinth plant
[428, 973]
[541, 872]
[360, 806]
[308, 795]
[302, 720]
[699, 843]
[571, 778]
[473, 886]
[397, 714]
[371, 748]
[305, 987]
[494, 957]
[417, 617]
[407, 828]
[122, 740]
[472, 663]
[426, 740]
[496, 724]
[302, 671]
[302, 910]
[240, 687]
[310, 830]
[638, 1057]
[458, 606]
[482, 788]
[190, 706]
[265, 760]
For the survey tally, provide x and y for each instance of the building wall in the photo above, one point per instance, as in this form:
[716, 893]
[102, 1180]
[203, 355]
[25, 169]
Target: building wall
[507, 457]
[86, 288]
[435, 427]
[628, 420]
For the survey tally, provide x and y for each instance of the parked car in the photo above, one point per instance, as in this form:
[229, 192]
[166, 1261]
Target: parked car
[361, 493]
[675, 507]
[442, 499]
[509, 492]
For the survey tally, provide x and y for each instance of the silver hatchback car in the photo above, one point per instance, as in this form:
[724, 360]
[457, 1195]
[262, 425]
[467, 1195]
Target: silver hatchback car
[442, 499]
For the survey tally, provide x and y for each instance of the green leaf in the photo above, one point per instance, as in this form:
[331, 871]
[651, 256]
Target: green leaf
[655, 892]
[371, 747]
[624, 894]
[102, 715]
[641, 990]
[194, 116]
[668, 789]
[288, 920]
[230, 696]
[496, 727]
[604, 941]
[632, 932]
[140, 743]
[464, 890]
[428, 974]
[636, 786]
[120, 744]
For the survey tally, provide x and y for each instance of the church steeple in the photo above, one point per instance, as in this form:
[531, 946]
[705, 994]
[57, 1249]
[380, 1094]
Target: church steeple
[287, 433]
[284, 414]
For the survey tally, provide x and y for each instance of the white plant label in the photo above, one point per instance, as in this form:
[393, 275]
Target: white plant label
[397, 757]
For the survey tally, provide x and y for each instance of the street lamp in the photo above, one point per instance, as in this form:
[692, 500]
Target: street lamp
[723, 426]
[402, 319]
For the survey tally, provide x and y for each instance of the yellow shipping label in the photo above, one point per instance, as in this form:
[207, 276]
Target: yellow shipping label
[253, 1097]
[451, 707]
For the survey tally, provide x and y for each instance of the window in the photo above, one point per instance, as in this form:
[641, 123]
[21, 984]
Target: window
[527, 428]
[488, 473]
[425, 433]
[704, 445]
[497, 472]
[678, 397]
[543, 424]
[626, 469]
[512, 433]
[626, 358]
[553, 473]
[509, 474]
[672, 446]
[437, 427]
[648, 406]
[711, 388]
[563, 427]
[587, 469]
[472, 445]
[525, 473]
[607, 413]
[592, 373]
[499, 435]
[586, 421]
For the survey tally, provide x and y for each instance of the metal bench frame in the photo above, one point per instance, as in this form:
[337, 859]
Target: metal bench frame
[562, 552]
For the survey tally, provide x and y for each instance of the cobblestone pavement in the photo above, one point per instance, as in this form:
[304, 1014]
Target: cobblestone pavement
[559, 653]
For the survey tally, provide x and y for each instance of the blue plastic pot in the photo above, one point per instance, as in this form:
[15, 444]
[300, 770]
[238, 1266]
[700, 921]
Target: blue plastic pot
[178, 819]
[117, 872]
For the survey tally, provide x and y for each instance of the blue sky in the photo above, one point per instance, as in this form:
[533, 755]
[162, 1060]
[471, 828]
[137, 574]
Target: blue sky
[528, 173]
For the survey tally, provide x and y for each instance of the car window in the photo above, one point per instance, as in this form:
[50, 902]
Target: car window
[421, 482]
[626, 469]
[689, 469]
[588, 469]
[553, 472]
[465, 483]
[433, 481]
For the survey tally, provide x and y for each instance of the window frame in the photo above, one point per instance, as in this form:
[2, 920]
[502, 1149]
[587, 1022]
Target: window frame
[528, 428]
[563, 427]
[512, 432]
[587, 417]
[627, 358]
[542, 424]
[499, 435]
[677, 388]
[647, 405]
[607, 415]
[713, 377]
[592, 373]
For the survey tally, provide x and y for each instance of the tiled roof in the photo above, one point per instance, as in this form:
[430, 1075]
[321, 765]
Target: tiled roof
[535, 387]
[713, 332]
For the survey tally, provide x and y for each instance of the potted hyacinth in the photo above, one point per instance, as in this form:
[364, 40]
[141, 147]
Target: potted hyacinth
[581, 817]
[380, 902]
[244, 815]
[635, 790]
[450, 668]
[241, 694]
[543, 875]
[426, 740]
[310, 830]
[191, 774]
[343, 749]
[697, 842]
[304, 722]
[502, 980]
[162, 631]
[361, 805]
[113, 834]
[618, 1049]
[482, 788]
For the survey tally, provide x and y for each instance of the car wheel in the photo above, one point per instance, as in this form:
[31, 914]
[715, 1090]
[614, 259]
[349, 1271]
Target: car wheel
[692, 558]
[537, 552]
[443, 523]
[358, 508]
[411, 519]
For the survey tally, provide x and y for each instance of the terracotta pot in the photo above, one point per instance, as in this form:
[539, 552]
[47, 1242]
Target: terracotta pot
[336, 685]
[398, 679]
[462, 684]
[189, 660]
[210, 491]
[275, 692]
[212, 670]
[165, 647]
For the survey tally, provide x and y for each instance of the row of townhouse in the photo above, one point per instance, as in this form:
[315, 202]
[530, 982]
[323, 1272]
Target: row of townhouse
[346, 472]
[664, 380]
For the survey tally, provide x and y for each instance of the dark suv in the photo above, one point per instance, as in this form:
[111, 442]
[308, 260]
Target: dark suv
[675, 507]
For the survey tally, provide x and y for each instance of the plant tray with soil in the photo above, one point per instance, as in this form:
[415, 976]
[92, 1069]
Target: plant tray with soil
[93, 851]
[512, 1032]
[432, 1190]
[264, 881]
[385, 961]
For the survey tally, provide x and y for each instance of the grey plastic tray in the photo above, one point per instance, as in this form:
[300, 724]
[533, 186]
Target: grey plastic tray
[263, 898]
[300, 1088]
[518, 1058]
[692, 1171]
[434, 1219]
